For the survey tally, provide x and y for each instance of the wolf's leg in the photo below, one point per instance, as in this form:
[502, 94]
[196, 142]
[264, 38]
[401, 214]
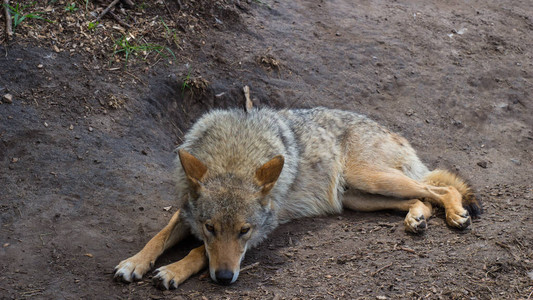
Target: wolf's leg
[396, 184]
[170, 276]
[136, 266]
[415, 220]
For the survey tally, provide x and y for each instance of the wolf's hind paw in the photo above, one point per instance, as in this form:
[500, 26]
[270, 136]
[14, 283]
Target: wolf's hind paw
[415, 224]
[460, 221]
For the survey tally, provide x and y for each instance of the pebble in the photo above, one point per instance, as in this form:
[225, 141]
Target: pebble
[8, 98]
[127, 239]
[516, 161]
[482, 164]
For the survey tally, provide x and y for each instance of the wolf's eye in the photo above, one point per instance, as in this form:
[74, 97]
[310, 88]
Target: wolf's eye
[210, 228]
[245, 230]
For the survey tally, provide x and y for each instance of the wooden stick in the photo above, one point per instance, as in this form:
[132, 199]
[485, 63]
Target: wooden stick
[168, 9]
[128, 3]
[248, 267]
[249, 104]
[380, 269]
[179, 4]
[9, 29]
[106, 10]
[119, 20]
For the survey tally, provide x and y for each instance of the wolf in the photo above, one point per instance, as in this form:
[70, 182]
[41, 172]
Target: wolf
[241, 174]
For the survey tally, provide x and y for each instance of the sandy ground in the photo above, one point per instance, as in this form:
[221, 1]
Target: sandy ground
[86, 149]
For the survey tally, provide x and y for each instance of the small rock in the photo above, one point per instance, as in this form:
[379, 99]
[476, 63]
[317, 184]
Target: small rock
[40, 66]
[89, 255]
[482, 164]
[71, 127]
[516, 161]
[167, 208]
[6, 245]
[8, 98]
[381, 297]
[90, 129]
[127, 239]
[410, 112]
[45, 124]
[337, 34]
[14, 160]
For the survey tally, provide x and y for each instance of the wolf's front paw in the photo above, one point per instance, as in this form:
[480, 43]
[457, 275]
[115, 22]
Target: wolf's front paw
[415, 224]
[460, 220]
[169, 277]
[133, 268]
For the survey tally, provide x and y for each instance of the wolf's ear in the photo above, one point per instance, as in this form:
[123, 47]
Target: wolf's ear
[193, 167]
[268, 173]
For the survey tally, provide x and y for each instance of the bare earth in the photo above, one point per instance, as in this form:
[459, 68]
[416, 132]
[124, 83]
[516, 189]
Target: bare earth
[86, 146]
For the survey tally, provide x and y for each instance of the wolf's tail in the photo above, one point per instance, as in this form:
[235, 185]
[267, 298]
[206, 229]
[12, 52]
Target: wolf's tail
[446, 178]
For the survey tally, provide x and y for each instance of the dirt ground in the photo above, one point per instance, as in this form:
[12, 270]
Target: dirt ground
[86, 142]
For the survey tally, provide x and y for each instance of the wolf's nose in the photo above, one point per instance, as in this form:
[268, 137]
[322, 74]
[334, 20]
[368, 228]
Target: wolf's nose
[224, 276]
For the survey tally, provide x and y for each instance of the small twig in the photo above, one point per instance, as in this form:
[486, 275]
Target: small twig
[204, 275]
[119, 20]
[407, 249]
[249, 105]
[128, 3]
[179, 4]
[106, 10]
[31, 293]
[168, 9]
[505, 246]
[248, 267]
[138, 79]
[9, 29]
[380, 269]
[529, 295]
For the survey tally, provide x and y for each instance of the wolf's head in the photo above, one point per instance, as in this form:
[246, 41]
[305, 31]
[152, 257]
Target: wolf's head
[229, 212]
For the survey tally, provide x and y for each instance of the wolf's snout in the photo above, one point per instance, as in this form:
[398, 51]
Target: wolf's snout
[224, 277]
